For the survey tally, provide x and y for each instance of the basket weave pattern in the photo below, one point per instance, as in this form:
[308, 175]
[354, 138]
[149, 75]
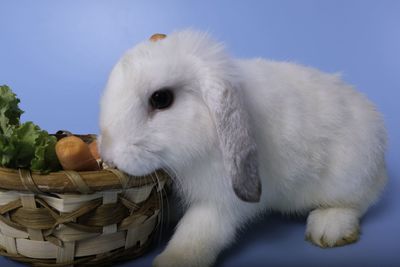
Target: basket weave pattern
[73, 223]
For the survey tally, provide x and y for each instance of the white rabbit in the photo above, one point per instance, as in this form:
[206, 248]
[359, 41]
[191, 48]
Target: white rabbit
[284, 137]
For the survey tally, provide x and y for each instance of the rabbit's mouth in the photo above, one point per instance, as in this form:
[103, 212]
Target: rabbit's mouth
[136, 162]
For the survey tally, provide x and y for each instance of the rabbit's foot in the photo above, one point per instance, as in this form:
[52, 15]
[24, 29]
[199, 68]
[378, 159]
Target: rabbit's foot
[331, 227]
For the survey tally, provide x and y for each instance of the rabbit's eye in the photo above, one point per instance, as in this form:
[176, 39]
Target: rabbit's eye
[162, 98]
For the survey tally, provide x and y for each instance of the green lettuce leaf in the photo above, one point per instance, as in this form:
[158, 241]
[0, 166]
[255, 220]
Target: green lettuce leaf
[23, 145]
[45, 157]
[10, 113]
[24, 139]
[7, 151]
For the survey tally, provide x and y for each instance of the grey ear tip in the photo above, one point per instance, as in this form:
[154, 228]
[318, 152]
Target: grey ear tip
[253, 197]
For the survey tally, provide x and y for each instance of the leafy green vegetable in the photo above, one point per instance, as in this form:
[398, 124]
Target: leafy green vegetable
[45, 159]
[23, 145]
[9, 110]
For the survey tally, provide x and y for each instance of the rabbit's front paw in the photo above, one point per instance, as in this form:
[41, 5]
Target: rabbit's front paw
[332, 227]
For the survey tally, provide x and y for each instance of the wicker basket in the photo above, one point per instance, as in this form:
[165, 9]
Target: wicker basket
[69, 218]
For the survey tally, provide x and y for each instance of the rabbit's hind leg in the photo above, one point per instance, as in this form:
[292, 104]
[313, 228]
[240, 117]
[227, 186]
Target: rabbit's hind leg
[331, 227]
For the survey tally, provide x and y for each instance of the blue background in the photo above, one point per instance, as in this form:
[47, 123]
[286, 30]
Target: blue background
[56, 55]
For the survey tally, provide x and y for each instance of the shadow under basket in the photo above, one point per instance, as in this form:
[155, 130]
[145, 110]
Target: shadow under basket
[70, 218]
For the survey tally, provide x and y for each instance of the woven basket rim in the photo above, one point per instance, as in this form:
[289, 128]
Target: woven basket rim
[62, 182]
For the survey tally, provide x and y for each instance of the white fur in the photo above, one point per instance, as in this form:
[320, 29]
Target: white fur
[320, 143]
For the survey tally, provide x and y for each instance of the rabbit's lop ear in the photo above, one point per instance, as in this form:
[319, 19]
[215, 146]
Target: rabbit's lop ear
[237, 145]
